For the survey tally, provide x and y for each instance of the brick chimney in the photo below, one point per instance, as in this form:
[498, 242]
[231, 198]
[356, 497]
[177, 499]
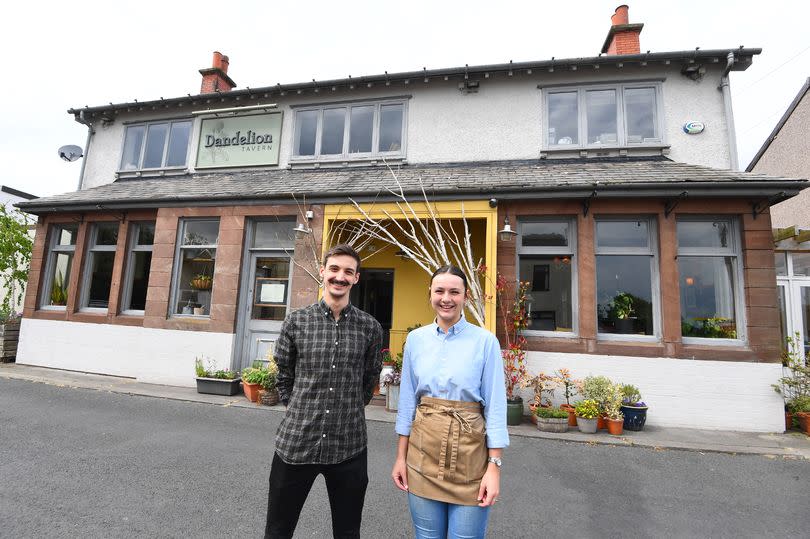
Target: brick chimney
[215, 78]
[623, 36]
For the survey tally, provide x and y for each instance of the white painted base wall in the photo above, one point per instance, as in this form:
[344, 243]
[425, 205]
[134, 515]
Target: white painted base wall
[721, 395]
[156, 356]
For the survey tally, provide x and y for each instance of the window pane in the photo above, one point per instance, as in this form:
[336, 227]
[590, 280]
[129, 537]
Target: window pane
[155, 142]
[639, 106]
[60, 275]
[801, 264]
[707, 297]
[544, 234]
[549, 295]
[101, 268]
[391, 128]
[146, 234]
[106, 233]
[195, 281]
[360, 129]
[201, 233]
[562, 118]
[703, 234]
[271, 288]
[132, 147]
[624, 294]
[806, 318]
[178, 144]
[274, 234]
[782, 314]
[622, 234]
[142, 261]
[66, 235]
[780, 261]
[307, 126]
[332, 136]
[600, 108]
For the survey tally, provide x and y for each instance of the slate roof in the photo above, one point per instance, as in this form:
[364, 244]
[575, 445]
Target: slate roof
[560, 178]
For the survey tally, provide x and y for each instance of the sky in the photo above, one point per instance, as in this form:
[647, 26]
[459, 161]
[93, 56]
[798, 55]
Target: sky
[71, 54]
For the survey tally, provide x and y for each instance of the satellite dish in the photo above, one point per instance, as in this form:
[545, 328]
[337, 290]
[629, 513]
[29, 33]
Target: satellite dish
[70, 152]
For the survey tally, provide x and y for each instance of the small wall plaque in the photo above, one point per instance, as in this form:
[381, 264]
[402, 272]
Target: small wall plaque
[693, 128]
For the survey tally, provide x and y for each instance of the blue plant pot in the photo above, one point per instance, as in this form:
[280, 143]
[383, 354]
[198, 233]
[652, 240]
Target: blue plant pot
[634, 417]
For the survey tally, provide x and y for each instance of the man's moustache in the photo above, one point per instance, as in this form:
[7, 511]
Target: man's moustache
[344, 283]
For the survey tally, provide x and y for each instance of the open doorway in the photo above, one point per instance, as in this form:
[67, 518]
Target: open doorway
[375, 295]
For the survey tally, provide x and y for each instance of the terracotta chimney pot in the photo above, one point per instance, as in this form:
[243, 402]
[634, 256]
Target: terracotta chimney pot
[215, 78]
[621, 16]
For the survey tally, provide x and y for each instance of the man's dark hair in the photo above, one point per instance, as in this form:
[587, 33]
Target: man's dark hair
[452, 270]
[342, 249]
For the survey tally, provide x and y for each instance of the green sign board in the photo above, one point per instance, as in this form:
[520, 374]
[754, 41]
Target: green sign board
[239, 141]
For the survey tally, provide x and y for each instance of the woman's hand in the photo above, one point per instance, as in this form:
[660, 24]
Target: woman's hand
[400, 474]
[490, 486]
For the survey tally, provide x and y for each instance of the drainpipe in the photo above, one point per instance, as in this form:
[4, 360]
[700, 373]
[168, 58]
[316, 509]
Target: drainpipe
[732, 135]
[90, 132]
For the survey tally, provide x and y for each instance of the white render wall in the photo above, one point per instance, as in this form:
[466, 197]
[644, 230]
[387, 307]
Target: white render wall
[156, 356]
[502, 121]
[720, 395]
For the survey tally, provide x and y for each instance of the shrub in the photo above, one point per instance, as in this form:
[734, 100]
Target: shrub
[631, 396]
[587, 409]
[550, 413]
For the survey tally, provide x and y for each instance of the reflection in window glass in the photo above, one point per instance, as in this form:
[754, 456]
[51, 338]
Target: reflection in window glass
[549, 296]
[59, 278]
[178, 144]
[66, 235]
[106, 233]
[782, 313]
[332, 135]
[274, 234]
[196, 278]
[780, 262]
[622, 234]
[155, 143]
[707, 296]
[307, 126]
[390, 128]
[101, 268]
[146, 233]
[62, 244]
[703, 234]
[801, 263]
[139, 264]
[271, 288]
[544, 234]
[639, 104]
[624, 294]
[600, 106]
[562, 118]
[201, 232]
[361, 129]
[132, 147]
[806, 317]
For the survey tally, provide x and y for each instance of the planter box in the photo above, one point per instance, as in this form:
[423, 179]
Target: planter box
[392, 398]
[9, 335]
[550, 424]
[217, 386]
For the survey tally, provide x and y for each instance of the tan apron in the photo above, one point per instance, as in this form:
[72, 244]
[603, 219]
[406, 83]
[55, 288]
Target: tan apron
[447, 451]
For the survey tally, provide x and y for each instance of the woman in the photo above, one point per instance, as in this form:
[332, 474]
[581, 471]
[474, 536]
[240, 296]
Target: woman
[452, 418]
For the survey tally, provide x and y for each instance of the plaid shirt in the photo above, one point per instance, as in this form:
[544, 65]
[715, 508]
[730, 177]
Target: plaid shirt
[327, 370]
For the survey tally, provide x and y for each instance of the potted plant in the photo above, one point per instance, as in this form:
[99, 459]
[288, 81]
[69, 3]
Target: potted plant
[633, 408]
[800, 408]
[598, 388]
[391, 383]
[215, 381]
[622, 307]
[613, 412]
[587, 413]
[268, 394]
[252, 379]
[59, 290]
[794, 385]
[571, 387]
[551, 419]
[201, 281]
[515, 319]
[9, 335]
[387, 367]
[540, 384]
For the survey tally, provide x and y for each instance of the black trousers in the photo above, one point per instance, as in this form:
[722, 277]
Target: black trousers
[290, 484]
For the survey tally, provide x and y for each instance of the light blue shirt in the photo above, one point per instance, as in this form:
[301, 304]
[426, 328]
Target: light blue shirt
[463, 364]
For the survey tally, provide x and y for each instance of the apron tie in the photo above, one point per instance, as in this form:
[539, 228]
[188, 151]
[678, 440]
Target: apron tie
[452, 435]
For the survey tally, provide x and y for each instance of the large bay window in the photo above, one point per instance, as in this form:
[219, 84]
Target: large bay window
[98, 269]
[350, 131]
[194, 267]
[617, 115]
[61, 247]
[546, 260]
[627, 278]
[708, 264]
[139, 262]
[156, 145]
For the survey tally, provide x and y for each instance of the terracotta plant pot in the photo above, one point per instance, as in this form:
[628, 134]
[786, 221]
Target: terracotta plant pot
[788, 421]
[532, 417]
[601, 423]
[804, 421]
[572, 416]
[615, 426]
[251, 391]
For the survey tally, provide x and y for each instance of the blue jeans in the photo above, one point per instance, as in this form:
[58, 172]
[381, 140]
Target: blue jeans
[441, 520]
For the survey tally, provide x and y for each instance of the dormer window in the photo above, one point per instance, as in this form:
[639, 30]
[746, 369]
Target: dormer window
[620, 115]
[156, 145]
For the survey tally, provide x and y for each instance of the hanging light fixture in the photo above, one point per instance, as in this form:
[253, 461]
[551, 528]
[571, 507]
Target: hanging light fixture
[301, 230]
[506, 234]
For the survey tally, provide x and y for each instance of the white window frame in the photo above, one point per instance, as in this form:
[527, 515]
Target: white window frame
[345, 155]
[621, 114]
[146, 125]
[92, 248]
[570, 249]
[734, 249]
[177, 269]
[655, 279]
[53, 250]
[133, 247]
[792, 285]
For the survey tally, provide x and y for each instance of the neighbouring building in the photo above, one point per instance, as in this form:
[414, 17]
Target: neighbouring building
[786, 151]
[8, 197]
[200, 218]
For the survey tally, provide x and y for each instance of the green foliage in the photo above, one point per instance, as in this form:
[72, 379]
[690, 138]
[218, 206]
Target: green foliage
[15, 255]
[630, 394]
[203, 371]
[262, 374]
[613, 405]
[622, 305]
[711, 328]
[587, 409]
[58, 290]
[597, 388]
[550, 413]
[799, 404]
[796, 382]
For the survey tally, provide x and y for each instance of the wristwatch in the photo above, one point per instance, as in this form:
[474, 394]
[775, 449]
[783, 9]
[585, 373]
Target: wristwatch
[496, 461]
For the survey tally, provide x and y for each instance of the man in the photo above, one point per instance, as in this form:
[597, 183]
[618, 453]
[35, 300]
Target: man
[328, 357]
